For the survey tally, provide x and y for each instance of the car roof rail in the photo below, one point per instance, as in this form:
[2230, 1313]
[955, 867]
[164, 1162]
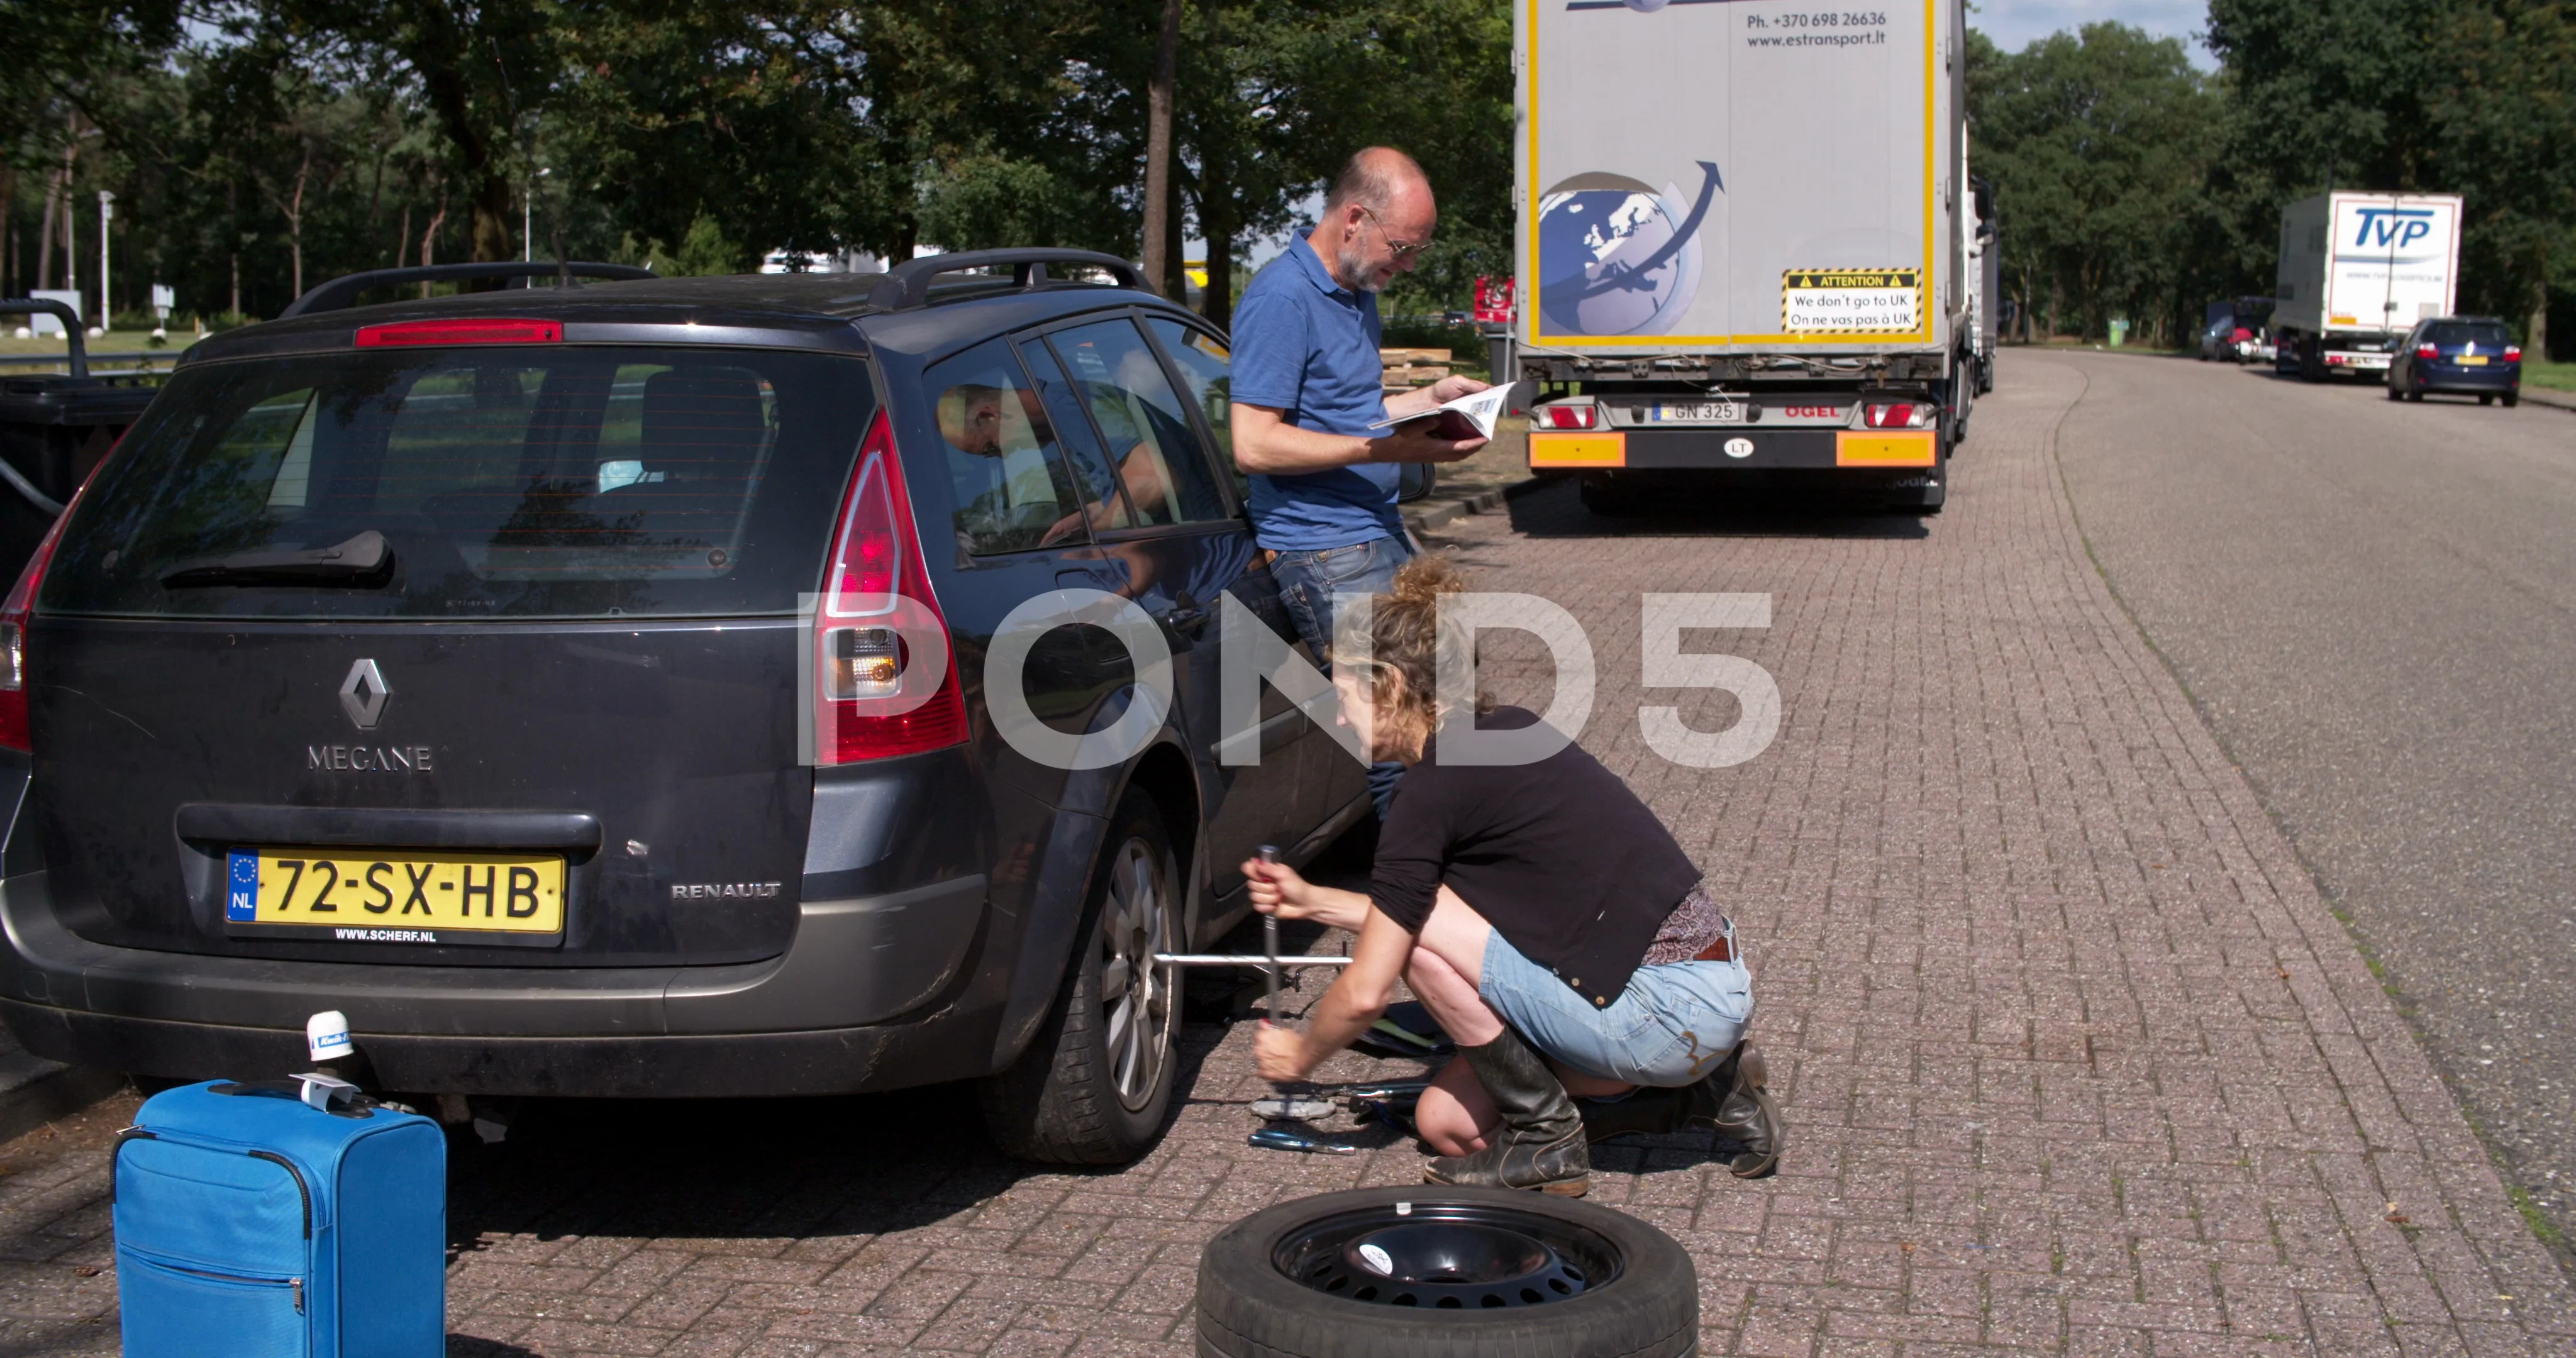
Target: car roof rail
[71, 324]
[907, 285]
[340, 293]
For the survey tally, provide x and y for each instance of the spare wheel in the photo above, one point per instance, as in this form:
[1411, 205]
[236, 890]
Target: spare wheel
[1433, 1272]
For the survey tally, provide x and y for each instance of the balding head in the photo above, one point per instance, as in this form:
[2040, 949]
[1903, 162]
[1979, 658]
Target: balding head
[1375, 178]
[1377, 217]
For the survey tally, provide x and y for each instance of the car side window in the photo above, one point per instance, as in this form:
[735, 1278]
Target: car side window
[1160, 463]
[1102, 502]
[1012, 490]
[1205, 369]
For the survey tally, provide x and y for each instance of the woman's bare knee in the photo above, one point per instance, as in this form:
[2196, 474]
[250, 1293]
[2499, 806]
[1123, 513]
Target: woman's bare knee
[1455, 1114]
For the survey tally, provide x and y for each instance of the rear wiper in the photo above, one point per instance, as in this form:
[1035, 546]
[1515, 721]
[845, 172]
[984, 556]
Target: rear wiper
[362, 560]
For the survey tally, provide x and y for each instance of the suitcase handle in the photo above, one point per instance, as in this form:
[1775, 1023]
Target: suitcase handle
[342, 1100]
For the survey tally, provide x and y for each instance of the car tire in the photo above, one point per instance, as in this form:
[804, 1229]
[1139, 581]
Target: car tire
[2486, 398]
[2415, 396]
[2512, 399]
[1631, 1292]
[1096, 1081]
[2393, 393]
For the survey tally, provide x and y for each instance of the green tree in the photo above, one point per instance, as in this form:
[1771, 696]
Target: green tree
[2098, 144]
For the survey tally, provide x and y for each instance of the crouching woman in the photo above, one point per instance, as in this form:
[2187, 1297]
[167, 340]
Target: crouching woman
[1544, 915]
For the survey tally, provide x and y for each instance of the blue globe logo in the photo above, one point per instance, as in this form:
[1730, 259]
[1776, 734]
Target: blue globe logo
[1616, 257]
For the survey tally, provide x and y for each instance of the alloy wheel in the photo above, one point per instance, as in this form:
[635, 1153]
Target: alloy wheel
[1137, 921]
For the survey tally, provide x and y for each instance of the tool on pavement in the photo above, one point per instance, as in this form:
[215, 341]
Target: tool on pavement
[1291, 1108]
[1280, 1139]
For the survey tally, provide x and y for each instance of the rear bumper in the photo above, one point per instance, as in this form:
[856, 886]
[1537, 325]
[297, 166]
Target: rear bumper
[2464, 379]
[1730, 447]
[811, 1021]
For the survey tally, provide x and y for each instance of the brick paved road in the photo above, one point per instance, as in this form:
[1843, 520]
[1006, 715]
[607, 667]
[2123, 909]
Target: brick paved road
[2077, 1060]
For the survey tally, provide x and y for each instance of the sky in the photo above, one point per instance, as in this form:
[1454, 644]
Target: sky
[2013, 24]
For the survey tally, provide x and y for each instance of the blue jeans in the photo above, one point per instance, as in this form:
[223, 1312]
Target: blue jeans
[1307, 583]
[1669, 1028]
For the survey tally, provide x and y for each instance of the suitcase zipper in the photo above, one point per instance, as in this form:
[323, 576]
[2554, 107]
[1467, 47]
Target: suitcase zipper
[294, 1286]
[300, 1190]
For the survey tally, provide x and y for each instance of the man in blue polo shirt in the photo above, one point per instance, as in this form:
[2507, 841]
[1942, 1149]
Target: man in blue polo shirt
[1307, 386]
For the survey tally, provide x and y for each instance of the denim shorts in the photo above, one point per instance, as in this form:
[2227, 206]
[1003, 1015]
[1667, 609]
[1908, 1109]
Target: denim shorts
[1673, 1023]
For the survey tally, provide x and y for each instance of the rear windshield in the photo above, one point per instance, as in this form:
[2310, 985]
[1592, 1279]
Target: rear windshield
[555, 482]
[2449, 333]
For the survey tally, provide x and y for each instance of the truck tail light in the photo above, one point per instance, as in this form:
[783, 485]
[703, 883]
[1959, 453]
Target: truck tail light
[1574, 415]
[2513, 353]
[885, 680]
[1898, 414]
[2427, 351]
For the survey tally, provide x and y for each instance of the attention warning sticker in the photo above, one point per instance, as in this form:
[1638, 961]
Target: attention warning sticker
[1847, 301]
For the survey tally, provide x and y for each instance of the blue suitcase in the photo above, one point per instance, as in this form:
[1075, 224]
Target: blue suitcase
[252, 1224]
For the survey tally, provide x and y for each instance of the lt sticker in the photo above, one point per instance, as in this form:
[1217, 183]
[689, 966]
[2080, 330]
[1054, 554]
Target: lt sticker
[1851, 301]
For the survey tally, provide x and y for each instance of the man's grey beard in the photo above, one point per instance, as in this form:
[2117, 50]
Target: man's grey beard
[1354, 266]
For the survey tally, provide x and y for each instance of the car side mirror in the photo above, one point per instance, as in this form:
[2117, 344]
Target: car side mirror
[1415, 482]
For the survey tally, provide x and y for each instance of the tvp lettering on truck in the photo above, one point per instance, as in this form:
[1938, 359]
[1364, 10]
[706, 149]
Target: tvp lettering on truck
[1743, 241]
[2357, 271]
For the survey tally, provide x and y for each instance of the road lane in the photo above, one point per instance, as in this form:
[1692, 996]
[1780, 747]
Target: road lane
[2374, 604]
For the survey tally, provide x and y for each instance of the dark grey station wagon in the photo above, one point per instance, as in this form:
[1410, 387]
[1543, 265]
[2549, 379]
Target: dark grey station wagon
[584, 690]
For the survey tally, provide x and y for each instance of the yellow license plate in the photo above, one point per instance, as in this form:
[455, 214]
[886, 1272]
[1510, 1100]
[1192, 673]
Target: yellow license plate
[370, 896]
[2471, 360]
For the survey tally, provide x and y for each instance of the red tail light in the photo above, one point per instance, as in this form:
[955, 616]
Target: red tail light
[1576, 416]
[462, 330]
[2513, 353]
[885, 680]
[1900, 415]
[13, 641]
[2427, 351]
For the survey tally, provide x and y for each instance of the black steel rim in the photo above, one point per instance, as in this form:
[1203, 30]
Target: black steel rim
[1447, 1256]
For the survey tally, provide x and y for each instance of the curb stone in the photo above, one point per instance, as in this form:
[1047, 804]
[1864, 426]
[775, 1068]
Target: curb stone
[35, 1091]
[1442, 511]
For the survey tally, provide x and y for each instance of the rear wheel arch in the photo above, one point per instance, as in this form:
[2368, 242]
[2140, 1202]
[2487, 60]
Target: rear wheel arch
[1163, 773]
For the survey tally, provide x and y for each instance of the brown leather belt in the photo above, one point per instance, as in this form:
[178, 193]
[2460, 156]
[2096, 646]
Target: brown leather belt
[1723, 950]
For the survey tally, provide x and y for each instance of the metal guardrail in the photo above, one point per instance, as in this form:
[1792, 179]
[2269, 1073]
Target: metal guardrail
[145, 360]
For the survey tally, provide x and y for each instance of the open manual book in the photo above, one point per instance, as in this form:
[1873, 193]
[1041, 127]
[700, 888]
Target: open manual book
[1471, 416]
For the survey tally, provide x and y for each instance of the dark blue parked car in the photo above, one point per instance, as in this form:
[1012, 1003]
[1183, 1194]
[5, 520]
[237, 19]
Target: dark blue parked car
[512, 672]
[2467, 355]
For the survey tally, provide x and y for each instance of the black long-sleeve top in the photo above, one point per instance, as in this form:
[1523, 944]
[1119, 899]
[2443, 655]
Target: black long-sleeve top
[1559, 855]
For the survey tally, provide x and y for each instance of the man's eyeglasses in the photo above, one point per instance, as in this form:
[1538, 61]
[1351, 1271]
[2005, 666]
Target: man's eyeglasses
[1401, 249]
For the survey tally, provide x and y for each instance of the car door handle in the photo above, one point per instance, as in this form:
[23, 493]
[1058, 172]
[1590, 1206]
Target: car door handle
[1190, 620]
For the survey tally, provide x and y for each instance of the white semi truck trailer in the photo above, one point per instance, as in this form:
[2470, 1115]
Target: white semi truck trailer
[2357, 271]
[1743, 245]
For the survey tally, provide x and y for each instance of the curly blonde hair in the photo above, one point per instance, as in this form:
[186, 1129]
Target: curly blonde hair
[1405, 639]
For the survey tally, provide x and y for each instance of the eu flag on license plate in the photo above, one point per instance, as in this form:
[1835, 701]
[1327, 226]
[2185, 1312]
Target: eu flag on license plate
[241, 887]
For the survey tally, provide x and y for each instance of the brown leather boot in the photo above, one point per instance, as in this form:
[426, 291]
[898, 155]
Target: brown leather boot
[1540, 1144]
[1735, 1102]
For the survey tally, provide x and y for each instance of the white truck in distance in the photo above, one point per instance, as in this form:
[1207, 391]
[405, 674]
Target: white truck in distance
[2357, 271]
[1742, 245]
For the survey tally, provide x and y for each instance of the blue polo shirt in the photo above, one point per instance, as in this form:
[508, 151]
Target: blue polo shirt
[1306, 345]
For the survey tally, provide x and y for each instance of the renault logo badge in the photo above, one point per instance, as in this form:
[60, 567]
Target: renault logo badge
[363, 694]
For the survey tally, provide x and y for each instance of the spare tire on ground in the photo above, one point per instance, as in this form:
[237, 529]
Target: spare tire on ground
[1433, 1272]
